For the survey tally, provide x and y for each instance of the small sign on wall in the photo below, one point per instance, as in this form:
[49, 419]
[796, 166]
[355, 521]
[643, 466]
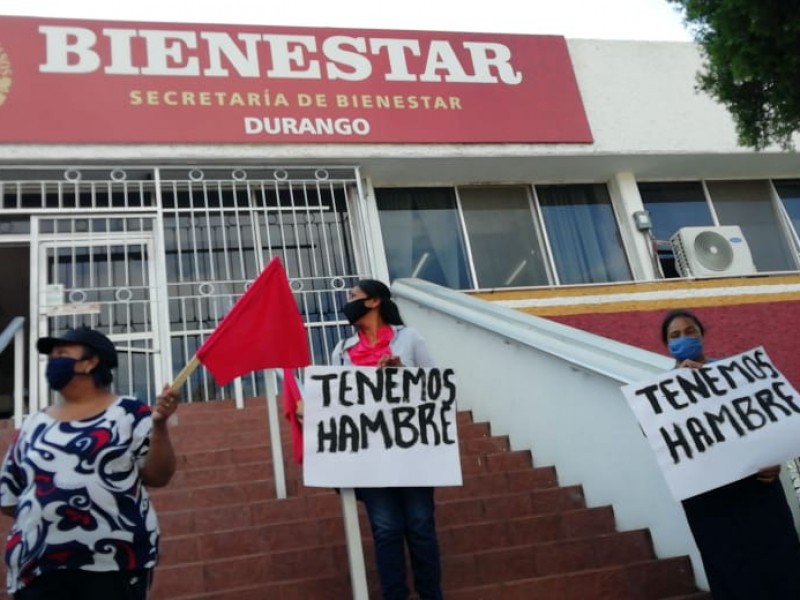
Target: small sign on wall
[54, 294]
[76, 308]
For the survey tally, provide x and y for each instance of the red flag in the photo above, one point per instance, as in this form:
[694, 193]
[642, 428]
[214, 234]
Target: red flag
[291, 396]
[263, 330]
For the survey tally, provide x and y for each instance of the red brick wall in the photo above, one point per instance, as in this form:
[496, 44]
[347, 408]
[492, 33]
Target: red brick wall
[729, 330]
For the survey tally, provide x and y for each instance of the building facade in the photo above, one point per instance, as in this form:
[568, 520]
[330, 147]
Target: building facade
[148, 172]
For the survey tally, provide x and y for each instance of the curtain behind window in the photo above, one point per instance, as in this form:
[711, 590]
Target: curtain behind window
[422, 235]
[583, 233]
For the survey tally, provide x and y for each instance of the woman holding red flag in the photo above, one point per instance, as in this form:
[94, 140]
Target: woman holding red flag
[73, 480]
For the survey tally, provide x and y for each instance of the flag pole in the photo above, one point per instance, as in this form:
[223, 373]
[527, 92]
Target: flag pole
[181, 377]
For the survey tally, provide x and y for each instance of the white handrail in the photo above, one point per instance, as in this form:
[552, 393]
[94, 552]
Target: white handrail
[555, 390]
[615, 360]
[15, 330]
[16, 324]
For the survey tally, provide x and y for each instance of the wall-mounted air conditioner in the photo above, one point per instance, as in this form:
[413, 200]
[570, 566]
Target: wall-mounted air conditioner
[711, 252]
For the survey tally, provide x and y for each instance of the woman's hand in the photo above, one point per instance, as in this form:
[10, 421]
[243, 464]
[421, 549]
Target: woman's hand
[690, 364]
[166, 404]
[768, 474]
[389, 361]
[299, 410]
[159, 467]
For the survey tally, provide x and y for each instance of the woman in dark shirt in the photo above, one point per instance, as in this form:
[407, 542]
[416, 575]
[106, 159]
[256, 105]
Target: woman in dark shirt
[744, 530]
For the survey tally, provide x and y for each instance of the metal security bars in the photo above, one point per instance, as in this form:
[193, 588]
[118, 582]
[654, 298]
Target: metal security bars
[222, 226]
[155, 257]
[98, 272]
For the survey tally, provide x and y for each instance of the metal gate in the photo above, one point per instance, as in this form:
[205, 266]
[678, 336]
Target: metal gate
[156, 256]
[99, 272]
[221, 227]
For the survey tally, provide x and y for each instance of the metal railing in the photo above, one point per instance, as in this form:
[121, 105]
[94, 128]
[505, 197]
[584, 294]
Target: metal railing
[15, 332]
[555, 390]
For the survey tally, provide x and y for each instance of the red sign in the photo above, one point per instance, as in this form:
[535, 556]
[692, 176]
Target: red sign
[65, 81]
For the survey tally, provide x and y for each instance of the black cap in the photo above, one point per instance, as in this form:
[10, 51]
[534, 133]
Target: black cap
[84, 336]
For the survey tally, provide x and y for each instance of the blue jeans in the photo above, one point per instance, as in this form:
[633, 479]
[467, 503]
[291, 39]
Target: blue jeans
[397, 516]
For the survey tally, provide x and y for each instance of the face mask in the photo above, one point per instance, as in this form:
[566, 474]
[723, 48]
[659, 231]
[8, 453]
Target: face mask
[60, 371]
[355, 309]
[686, 348]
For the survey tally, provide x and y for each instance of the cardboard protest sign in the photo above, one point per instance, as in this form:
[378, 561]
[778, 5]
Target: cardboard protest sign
[367, 427]
[719, 423]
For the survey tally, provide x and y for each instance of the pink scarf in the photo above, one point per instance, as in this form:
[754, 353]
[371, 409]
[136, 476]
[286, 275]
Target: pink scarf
[364, 354]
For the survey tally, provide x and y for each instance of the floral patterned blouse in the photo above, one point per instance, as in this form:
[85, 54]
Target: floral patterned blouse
[80, 503]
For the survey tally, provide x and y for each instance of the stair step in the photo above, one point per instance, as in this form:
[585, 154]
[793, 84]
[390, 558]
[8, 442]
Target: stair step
[480, 483]
[509, 505]
[227, 538]
[254, 569]
[309, 588]
[255, 562]
[528, 561]
[531, 500]
[646, 580]
[472, 537]
[476, 484]
[510, 532]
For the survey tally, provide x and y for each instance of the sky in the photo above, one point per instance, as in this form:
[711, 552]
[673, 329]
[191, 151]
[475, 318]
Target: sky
[574, 19]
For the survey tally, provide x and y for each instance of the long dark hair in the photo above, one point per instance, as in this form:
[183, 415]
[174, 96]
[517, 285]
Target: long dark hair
[675, 314]
[387, 309]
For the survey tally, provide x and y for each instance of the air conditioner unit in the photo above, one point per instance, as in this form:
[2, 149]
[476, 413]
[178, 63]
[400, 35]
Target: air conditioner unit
[711, 252]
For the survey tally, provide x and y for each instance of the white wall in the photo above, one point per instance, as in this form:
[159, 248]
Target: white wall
[556, 391]
[641, 97]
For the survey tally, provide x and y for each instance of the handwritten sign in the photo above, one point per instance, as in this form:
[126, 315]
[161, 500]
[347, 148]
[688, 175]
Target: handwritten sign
[367, 427]
[719, 423]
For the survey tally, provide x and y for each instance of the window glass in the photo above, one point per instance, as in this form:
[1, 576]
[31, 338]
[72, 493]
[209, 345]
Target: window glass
[672, 206]
[748, 205]
[789, 192]
[675, 205]
[422, 235]
[505, 245]
[583, 233]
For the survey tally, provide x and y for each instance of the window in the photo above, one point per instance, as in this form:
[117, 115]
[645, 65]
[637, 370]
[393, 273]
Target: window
[583, 233]
[503, 237]
[422, 235]
[789, 193]
[491, 236]
[748, 205]
[673, 206]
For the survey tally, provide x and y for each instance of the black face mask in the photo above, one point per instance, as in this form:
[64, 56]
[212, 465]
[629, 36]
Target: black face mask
[60, 371]
[355, 309]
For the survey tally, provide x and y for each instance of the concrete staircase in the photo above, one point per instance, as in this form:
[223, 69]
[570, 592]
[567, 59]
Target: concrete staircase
[509, 533]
